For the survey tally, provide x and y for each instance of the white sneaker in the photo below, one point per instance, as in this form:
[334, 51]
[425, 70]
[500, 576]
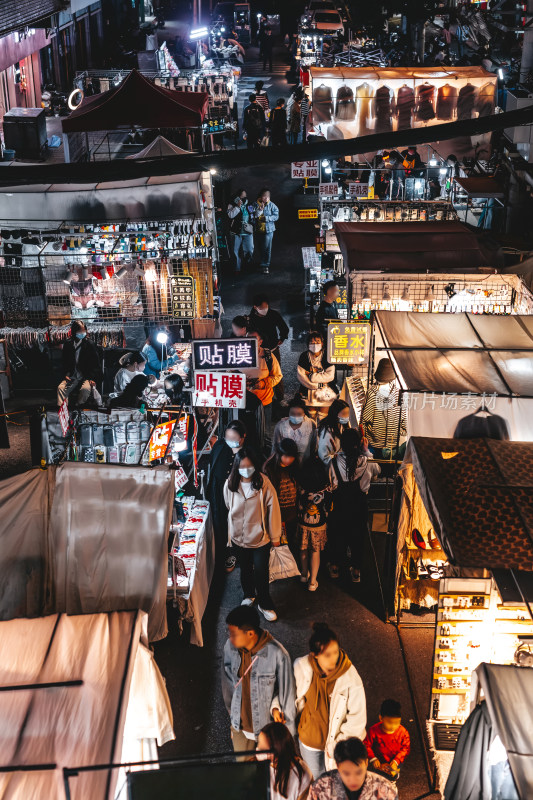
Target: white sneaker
[248, 601]
[269, 615]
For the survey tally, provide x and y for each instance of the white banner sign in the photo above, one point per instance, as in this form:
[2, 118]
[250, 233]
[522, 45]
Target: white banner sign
[358, 189]
[304, 169]
[219, 389]
[328, 189]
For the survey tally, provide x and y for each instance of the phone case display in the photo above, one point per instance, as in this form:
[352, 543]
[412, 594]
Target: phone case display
[397, 98]
[473, 626]
[185, 545]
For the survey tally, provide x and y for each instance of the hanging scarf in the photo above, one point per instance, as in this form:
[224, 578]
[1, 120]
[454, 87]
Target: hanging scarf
[314, 722]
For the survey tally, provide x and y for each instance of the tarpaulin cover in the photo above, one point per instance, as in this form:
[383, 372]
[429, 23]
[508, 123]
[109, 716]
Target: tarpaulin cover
[410, 246]
[461, 353]
[159, 148]
[86, 538]
[138, 101]
[70, 725]
[508, 692]
[478, 494]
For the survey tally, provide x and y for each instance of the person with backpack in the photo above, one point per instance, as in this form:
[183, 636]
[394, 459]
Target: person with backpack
[353, 470]
[253, 123]
[241, 229]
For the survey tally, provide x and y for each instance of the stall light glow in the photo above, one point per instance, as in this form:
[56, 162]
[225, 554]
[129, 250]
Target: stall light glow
[162, 337]
[213, 171]
[443, 171]
[328, 170]
[433, 161]
[150, 275]
[198, 33]
[222, 30]
[325, 162]
[500, 74]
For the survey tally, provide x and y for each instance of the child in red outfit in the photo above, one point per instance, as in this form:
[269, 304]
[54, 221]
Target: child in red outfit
[387, 742]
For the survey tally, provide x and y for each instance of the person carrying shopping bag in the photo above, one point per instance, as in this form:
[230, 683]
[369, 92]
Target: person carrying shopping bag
[330, 698]
[254, 524]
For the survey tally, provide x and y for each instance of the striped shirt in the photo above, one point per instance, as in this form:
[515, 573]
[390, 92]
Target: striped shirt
[304, 106]
[262, 99]
[382, 416]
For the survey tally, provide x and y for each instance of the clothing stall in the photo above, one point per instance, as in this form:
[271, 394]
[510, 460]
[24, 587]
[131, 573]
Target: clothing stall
[450, 366]
[464, 561]
[493, 756]
[78, 691]
[349, 102]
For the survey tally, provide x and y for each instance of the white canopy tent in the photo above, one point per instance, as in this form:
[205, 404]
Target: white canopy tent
[96, 668]
[89, 538]
[448, 365]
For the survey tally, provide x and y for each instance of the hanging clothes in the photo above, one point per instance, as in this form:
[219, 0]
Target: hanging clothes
[469, 777]
[425, 98]
[466, 102]
[405, 104]
[322, 104]
[364, 94]
[475, 426]
[486, 100]
[446, 101]
[345, 108]
[383, 109]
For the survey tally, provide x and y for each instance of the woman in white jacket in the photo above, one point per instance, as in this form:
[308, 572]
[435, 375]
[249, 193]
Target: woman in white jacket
[254, 525]
[330, 698]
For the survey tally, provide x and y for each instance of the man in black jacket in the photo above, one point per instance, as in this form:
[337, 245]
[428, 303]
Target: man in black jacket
[328, 308]
[81, 364]
[273, 330]
[253, 123]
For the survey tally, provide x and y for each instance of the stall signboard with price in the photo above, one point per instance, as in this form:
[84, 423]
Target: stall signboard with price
[356, 189]
[160, 439]
[308, 213]
[182, 296]
[348, 342]
[304, 169]
[225, 353]
[219, 389]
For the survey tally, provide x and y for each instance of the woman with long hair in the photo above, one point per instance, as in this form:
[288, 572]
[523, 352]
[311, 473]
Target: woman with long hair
[330, 430]
[330, 698]
[222, 458]
[254, 524]
[130, 365]
[133, 394]
[316, 376]
[353, 470]
[282, 469]
[314, 505]
[290, 777]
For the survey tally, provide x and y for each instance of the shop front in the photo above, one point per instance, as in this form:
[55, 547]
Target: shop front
[20, 69]
[465, 558]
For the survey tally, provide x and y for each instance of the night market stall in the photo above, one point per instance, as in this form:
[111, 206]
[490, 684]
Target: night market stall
[494, 751]
[77, 691]
[465, 552]
[135, 103]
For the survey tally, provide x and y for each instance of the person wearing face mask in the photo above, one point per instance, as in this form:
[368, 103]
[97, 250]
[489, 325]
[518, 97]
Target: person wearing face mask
[241, 229]
[131, 364]
[330, 698]
[298, 427]
[81, 364]
[329, 433]
[262, 384]
[222, 458]
[353, 470]
[316, 376]
[282, 469]
[328, 307]
[290, 777]
[254, 523]
[273, 329]
[383, 417]
[351, 779]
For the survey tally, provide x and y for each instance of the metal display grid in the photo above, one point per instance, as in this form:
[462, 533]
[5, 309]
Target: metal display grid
[102, 274]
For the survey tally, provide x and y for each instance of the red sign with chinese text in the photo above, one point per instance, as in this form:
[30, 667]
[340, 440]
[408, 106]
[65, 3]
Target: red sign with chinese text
[219, 389]
[161, 436]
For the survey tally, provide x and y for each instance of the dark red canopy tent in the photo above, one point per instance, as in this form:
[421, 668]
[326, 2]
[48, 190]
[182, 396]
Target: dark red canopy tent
[138, 101]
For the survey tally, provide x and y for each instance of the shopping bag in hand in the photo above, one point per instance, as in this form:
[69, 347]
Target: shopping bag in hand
[282, 564]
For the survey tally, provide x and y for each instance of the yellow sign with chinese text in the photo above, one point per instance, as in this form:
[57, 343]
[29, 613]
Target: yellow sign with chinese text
[348, 342]
[307, 213]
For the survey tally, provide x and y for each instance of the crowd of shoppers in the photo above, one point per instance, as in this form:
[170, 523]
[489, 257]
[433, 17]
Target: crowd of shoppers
[317, 706]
